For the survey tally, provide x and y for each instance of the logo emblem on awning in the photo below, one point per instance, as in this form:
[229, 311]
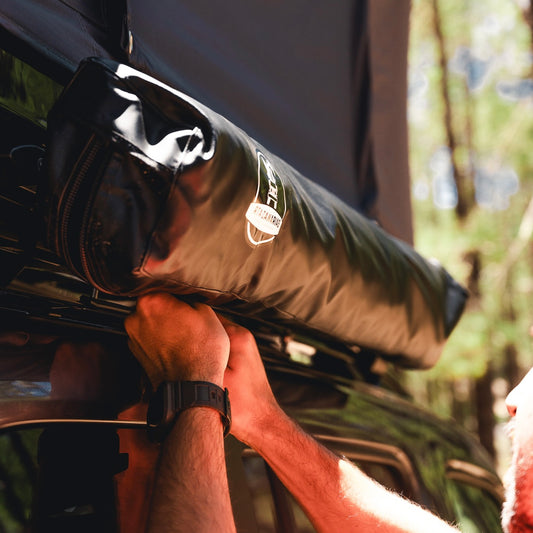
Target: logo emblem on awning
[265, 214]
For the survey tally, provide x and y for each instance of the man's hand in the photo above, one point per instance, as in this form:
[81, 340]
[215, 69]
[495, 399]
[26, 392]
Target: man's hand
[84, 371]
[175, 341]
[252, 402]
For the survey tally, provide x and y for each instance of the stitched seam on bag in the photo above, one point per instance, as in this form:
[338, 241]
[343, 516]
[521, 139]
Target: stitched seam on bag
[123, 148]
[99, 265]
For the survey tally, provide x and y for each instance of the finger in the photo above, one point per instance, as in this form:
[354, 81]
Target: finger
[207, 313]
[154, 303]
[145, 361]
[139, 353]
[153, 311]
[130, 323]
[225, 321]
[232, 329]
[18, 338]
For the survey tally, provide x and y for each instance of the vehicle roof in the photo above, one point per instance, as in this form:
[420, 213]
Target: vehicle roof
[55, 375]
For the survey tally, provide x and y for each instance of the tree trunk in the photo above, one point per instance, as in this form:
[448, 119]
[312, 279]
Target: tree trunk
[473, 283]
[485, 416]
[511, 368]
[463, 204]
[527, 13]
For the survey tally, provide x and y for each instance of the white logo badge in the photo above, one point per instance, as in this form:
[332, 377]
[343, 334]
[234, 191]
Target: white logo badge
[265, 214]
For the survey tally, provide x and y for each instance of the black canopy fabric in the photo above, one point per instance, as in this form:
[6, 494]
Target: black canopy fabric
[167, 194]
[322, 87]
[321, 84]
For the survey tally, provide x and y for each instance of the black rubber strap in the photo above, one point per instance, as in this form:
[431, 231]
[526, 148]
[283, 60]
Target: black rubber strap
[172, 398]
[188, 394]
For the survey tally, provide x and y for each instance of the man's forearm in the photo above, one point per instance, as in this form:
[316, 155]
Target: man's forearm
[335, 494]
[191, 491]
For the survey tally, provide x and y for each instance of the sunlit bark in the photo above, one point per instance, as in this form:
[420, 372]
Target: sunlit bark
[463, 202]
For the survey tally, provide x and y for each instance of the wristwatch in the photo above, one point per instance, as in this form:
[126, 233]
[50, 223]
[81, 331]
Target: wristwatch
[171, 398]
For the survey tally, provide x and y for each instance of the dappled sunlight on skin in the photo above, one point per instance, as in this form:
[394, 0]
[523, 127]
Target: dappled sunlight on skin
[401, 515]
[362, 491]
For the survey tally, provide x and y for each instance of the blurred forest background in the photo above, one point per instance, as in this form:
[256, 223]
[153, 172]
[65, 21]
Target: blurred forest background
[471, 143]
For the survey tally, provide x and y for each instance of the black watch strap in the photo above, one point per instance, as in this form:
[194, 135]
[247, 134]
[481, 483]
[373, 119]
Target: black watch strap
[172, 398]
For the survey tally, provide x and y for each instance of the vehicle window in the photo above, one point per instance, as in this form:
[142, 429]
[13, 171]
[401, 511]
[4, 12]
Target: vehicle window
[302, 523]
[386, 463]
[75, 477]
[261, 492]
[18, 474]
[386, 475]
[267, 508]
[476, 511]
[476, 496]
[25, 91]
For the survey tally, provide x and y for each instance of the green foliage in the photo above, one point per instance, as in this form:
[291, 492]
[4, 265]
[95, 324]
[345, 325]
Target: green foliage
[25, 90]
[493, 133]
[18, 468]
